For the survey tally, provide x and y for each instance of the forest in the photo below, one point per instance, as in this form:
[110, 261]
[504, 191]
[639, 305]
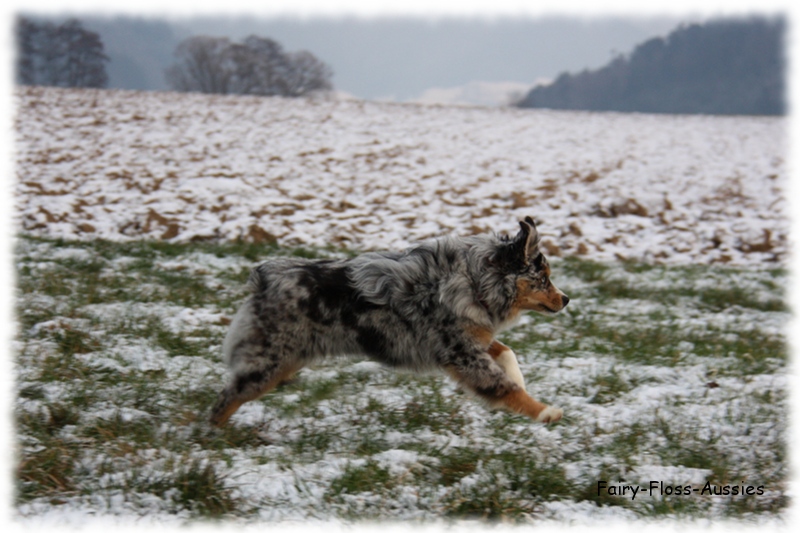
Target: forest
[724, 67]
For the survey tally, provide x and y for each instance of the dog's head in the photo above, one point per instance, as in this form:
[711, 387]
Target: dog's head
[522, 257]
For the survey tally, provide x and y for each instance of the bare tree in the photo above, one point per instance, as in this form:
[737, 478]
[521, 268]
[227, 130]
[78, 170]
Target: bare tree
[257, 66]
[82, 64]
[203, 66]
[263, 67]
[307, 74]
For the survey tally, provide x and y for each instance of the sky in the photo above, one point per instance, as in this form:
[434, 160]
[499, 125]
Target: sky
[405, 58]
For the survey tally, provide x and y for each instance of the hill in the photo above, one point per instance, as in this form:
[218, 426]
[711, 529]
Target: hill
[726, 67]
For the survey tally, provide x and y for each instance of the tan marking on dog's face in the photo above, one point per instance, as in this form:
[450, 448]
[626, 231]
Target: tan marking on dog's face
[535, 291]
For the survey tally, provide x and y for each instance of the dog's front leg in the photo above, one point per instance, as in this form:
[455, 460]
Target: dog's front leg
[521, 402]
[507, 359]
[476, 372]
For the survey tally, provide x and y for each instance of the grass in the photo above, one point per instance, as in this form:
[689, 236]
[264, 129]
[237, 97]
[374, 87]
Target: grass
[662, 371]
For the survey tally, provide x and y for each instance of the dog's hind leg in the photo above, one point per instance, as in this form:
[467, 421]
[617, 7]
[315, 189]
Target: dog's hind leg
[489, 381]
[250, 385]
[507, 359]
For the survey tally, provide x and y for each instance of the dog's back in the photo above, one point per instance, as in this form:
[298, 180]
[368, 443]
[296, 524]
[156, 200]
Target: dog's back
[389, 306]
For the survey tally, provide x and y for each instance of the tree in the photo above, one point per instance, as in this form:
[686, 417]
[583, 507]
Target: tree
[307, 74]
[64, 55]
[83, 59]
[262, 67]
[257, 66]
[202, 66]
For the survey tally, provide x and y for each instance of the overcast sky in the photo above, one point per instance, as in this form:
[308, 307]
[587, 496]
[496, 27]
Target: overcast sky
[400, 57]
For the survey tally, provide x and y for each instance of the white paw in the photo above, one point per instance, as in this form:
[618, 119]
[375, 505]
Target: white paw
[508, 362]
[550, 414]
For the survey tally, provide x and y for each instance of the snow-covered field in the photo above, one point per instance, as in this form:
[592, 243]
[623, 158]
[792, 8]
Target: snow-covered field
[671, 369]
[127, 165]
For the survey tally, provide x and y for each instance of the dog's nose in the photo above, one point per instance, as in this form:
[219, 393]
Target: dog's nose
[564, 300]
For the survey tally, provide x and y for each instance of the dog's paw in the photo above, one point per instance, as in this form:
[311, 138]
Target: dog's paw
[550, 414]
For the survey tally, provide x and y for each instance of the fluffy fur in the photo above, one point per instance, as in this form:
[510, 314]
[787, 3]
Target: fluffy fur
[438, 305]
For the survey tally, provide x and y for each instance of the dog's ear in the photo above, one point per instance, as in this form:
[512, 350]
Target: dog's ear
[526, 242]
[516, 254]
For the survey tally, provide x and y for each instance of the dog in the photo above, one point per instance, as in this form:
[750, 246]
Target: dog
[437, 305]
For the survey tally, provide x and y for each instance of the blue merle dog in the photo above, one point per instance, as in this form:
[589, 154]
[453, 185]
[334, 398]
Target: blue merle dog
[438, 305]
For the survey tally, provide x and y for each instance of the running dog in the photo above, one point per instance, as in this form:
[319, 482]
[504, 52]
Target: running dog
[438, 305]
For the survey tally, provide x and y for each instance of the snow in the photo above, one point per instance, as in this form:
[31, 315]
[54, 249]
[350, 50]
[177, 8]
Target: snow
[367, 175]
[482, 93]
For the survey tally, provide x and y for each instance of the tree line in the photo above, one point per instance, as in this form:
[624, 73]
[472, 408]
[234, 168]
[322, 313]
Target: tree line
[67, 55]
[721, 67]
